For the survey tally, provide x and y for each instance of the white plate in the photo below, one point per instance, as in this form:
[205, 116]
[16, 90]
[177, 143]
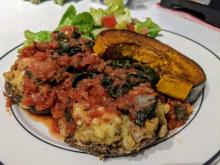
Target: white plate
[24, 141]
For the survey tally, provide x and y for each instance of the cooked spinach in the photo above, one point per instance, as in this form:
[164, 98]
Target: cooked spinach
[81, 76]
[68, 116]
[180, 112]
[135, 79]
[65, 46]
[28, 74]
[60, 36]
[71, 69]
[145, 72]
[34, 111]
[106, 81]
[115, 90]
[119, 90]
[150, 74]
[123, 62]
[53, 82]
[145, 113]
[90, 43]
[76, 35]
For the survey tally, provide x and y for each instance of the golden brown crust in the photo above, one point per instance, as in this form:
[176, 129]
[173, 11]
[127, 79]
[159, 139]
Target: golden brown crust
[107, 150]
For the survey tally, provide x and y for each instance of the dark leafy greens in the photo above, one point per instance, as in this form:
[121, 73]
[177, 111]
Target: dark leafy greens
[145, 108]
[65, 46]
[78, 77]
[144, 114]
[144, 74]
[180, 112]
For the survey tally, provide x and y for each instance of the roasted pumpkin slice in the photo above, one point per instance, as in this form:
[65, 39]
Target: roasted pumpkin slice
[180, 77]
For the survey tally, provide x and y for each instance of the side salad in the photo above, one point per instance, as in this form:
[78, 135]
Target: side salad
[59, 2]
[91, 23]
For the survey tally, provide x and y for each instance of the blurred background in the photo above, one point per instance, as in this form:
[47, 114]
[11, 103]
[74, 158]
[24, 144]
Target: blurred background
[198, 19]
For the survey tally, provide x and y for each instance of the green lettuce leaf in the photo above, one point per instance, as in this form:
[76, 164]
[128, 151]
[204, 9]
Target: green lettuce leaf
[41, 36]
[84, 21]
[31, 37]
[60, 2]
[152, 28]
[115, 6]
[97, 15]
[68, 16]
[123, 19]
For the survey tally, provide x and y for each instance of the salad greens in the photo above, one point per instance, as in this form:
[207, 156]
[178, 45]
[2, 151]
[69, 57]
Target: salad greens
[31, 37]
[41, 36]
[97, 15]
[68, 16]
[84, 21]
[152, 28]
[115, 8]
[91, 23]
[123, 18]
[60, 2]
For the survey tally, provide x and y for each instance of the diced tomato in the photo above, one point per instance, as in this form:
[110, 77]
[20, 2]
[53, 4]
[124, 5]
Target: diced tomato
[64, 60]
[175, 123]
[172, 121]
[57, 111]
[44, 100]
[44, 70]
[29, 86]
[71, 127]
[41, 56]
[109, 22]
[46, 46]
[28, 51]
[55, 126]
[68, 31]
[89, 59]
[95, 113]
[8, 102]
[130, 27]
[28, 101]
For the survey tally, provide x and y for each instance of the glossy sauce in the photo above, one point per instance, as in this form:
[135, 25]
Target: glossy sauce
[46, 121]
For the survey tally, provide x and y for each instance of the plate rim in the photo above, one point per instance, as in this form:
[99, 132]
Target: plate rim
[209, 161]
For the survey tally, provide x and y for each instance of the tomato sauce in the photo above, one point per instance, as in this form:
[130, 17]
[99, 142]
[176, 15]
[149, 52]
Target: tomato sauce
[48, 81]
[8, 102]
[43, 70]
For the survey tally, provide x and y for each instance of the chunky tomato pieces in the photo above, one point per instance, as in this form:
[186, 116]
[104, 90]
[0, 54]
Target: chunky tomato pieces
[109, 21]
[130, 27]
[64, 72]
